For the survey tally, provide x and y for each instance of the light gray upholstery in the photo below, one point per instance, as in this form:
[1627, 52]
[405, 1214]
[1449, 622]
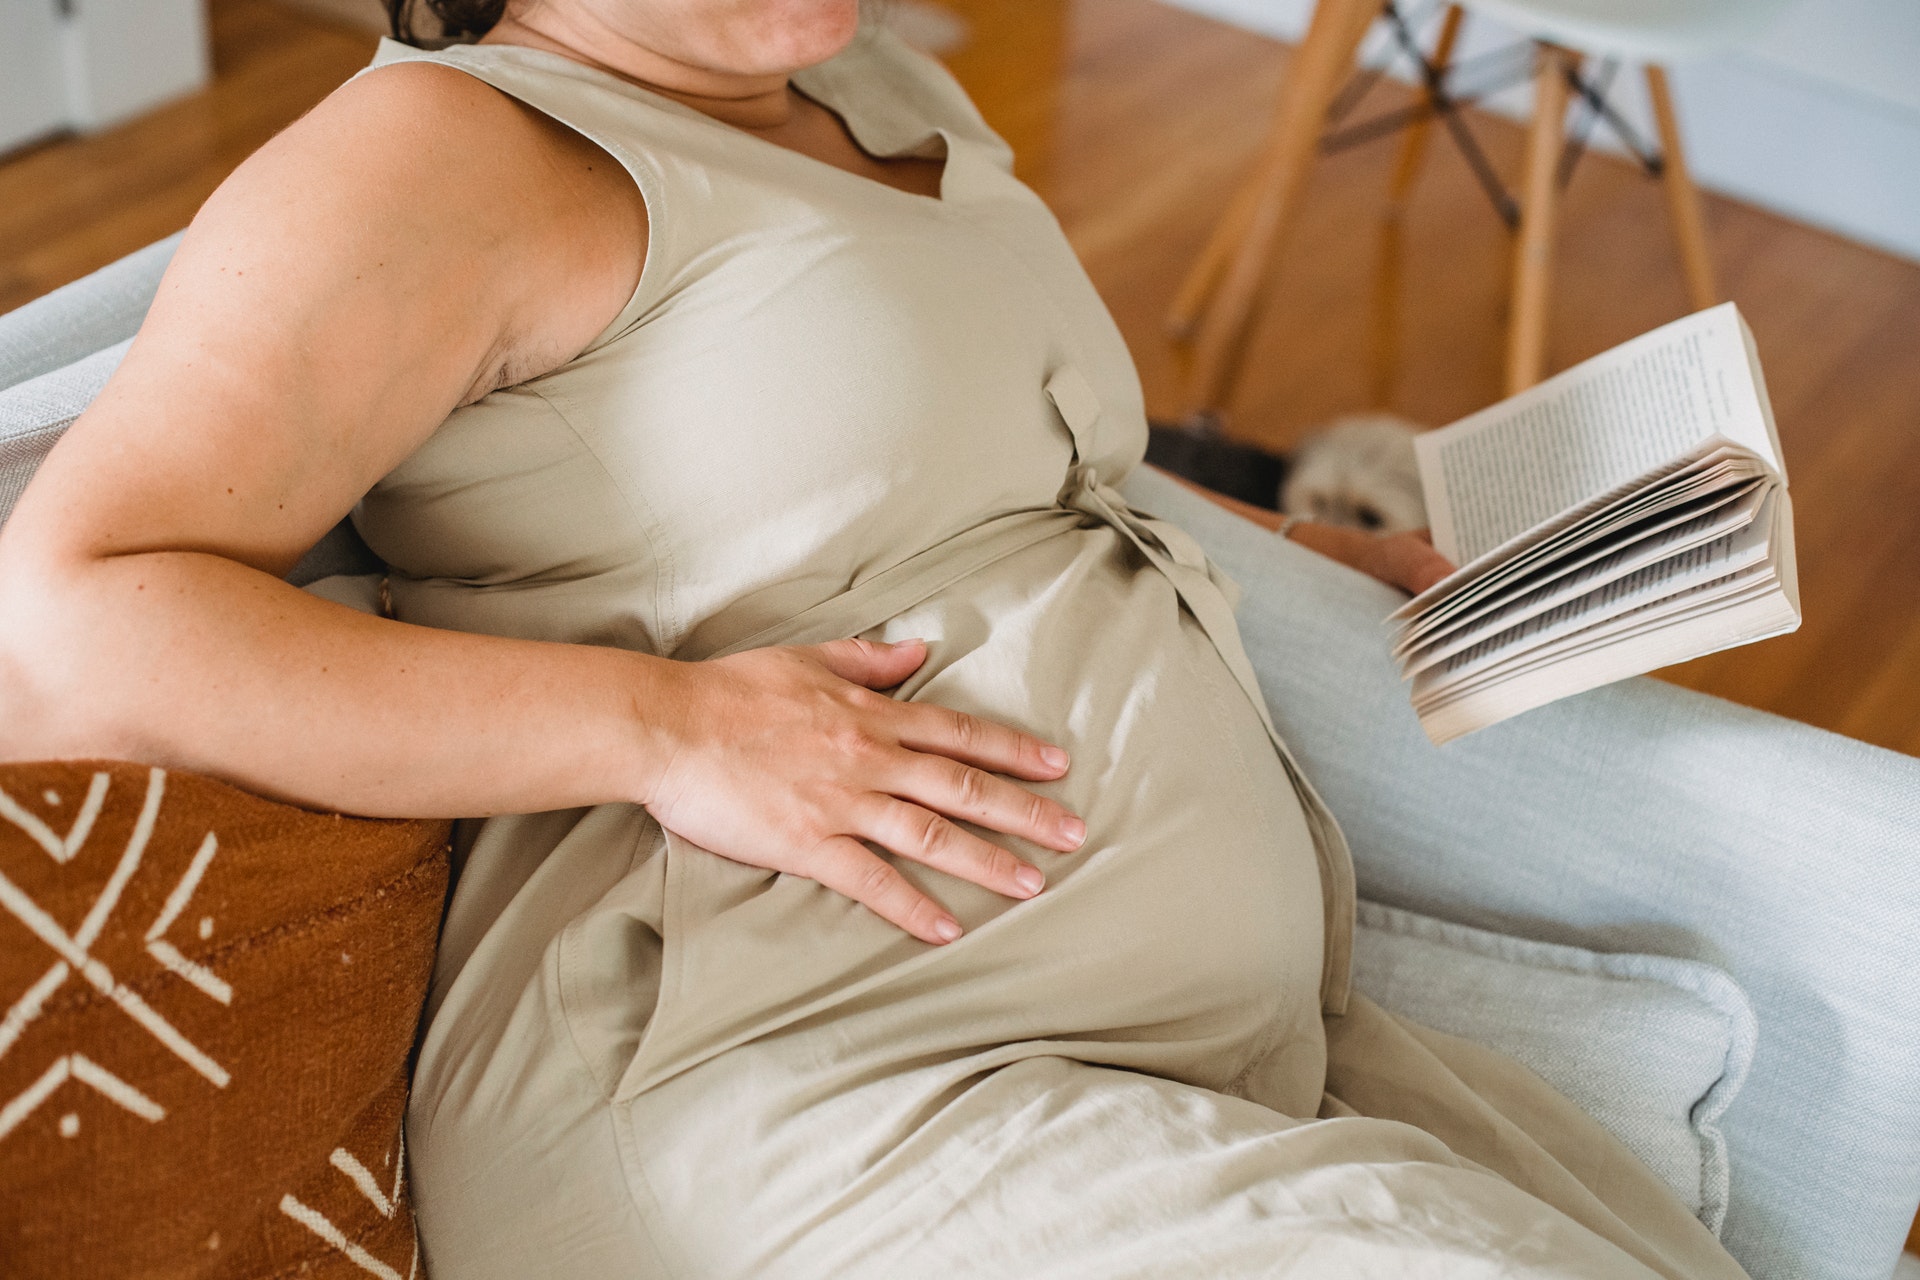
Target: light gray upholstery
[53, 331]
[1636, 818]
[38, 404]
[1640, 818]
[36, 412]
[1652, 1047]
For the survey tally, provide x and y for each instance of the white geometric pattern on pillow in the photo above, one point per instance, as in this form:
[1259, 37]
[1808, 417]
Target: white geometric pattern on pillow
[1651, 1047]
[71, 958]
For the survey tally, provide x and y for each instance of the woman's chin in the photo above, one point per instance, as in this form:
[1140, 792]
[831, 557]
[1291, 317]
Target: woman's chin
[787, 35]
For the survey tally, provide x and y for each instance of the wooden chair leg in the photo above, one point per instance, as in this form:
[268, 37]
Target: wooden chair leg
[1539, 193]
[1413, 148]
[1323, 59]
[1683, 198]
[1386, 292]
[1204, 276]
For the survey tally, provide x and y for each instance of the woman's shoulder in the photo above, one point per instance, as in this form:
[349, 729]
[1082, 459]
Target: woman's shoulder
[494, 203]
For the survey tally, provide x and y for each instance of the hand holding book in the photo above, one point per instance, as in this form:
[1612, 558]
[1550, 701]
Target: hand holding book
[1627, 514]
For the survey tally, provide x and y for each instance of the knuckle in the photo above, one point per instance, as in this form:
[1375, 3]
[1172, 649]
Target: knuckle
[1040, 810]
[850, 741]
[965, 731]
[971, 786]
[873, 881]
[1001, 865]
[936, 835]
[863, 699]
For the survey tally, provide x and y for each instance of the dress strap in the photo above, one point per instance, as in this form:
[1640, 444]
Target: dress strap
[1205, 592]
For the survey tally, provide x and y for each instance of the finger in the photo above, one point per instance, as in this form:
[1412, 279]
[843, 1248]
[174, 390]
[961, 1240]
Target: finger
[848, 867]
[1415, 565]
[928, 838]
[873, 663]
[961, 791]
[983, 743]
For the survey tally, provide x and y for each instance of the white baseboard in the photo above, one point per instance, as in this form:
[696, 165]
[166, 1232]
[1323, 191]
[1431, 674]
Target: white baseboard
[1796, 123]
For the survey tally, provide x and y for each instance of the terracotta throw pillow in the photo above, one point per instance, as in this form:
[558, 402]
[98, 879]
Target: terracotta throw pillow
[209, 1001]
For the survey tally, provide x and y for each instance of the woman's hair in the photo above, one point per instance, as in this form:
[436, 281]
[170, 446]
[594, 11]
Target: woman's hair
[459, 19]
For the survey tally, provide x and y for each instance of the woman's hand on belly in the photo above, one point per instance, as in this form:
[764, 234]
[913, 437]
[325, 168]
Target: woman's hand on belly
[786, 758]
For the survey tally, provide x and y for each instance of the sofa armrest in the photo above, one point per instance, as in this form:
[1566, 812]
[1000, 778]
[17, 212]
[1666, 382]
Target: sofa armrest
[1639, 817]
[79, 319]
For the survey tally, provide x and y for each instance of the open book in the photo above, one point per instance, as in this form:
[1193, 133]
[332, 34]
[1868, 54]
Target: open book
[1627, 514]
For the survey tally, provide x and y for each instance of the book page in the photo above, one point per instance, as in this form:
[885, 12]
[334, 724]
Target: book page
[1492, 476]
[1715, 466]
[1724, 556]
[1699, 600]
[1655, 534]
[1741, 621]
[1598, 572]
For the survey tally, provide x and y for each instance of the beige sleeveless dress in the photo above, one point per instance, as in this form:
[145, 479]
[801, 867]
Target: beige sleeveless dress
[835, 408]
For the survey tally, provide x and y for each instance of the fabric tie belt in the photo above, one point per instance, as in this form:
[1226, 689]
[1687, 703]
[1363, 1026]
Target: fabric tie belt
[1207, 594]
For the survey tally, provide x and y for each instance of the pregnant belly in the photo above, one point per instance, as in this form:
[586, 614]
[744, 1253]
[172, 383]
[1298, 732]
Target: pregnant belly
[1183, 938]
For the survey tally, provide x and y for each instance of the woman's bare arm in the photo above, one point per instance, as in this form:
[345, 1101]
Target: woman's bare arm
[414, 242]
[1404, 560]
[350, 284]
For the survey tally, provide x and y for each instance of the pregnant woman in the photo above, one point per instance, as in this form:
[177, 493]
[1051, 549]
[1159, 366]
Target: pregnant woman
[743, 440]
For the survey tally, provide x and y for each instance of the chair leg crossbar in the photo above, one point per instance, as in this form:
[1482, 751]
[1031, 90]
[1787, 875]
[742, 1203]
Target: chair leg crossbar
[1512, 65]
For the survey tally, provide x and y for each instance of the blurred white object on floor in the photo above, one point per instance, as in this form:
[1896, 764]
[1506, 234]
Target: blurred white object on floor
[1359, 471]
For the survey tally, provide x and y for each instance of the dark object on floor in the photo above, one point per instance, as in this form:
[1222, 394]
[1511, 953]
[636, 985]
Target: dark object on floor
[1199, 451]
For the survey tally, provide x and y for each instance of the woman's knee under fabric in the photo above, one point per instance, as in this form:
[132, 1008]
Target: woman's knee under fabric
[1046, 1167]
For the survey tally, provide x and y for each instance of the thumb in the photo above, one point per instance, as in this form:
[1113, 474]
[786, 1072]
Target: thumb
[873, 663]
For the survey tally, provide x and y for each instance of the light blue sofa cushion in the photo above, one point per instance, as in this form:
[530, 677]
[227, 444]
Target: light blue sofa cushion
[1652, 1047]
[1639, 818]
[79, 319]
[35, 413]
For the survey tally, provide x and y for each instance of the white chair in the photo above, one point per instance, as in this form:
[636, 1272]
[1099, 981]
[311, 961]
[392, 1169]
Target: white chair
[1215, 305]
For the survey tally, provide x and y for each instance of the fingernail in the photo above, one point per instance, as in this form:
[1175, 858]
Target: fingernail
[1054, 757]
[915, 640]
[1030, 880]
[947, 930]
[1075, 830]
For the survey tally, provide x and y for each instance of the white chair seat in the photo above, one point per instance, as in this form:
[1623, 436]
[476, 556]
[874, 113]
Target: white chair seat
[1656, 31]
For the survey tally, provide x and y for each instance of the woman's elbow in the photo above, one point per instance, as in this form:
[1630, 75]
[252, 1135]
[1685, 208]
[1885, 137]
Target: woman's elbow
[55, 699]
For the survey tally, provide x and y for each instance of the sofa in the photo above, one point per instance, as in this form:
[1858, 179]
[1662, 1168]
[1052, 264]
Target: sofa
[1694, 918]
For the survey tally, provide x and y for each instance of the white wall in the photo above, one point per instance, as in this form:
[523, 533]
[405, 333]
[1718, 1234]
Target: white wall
[32, 93]
[124, 57]
[87, 64]
[1817, 118]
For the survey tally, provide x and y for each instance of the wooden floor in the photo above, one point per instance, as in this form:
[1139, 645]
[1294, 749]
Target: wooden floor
[1135, 120]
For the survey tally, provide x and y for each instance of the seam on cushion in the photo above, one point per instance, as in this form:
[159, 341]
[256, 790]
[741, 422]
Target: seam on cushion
[14, 437]
[86, 997]
[1709, 985]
